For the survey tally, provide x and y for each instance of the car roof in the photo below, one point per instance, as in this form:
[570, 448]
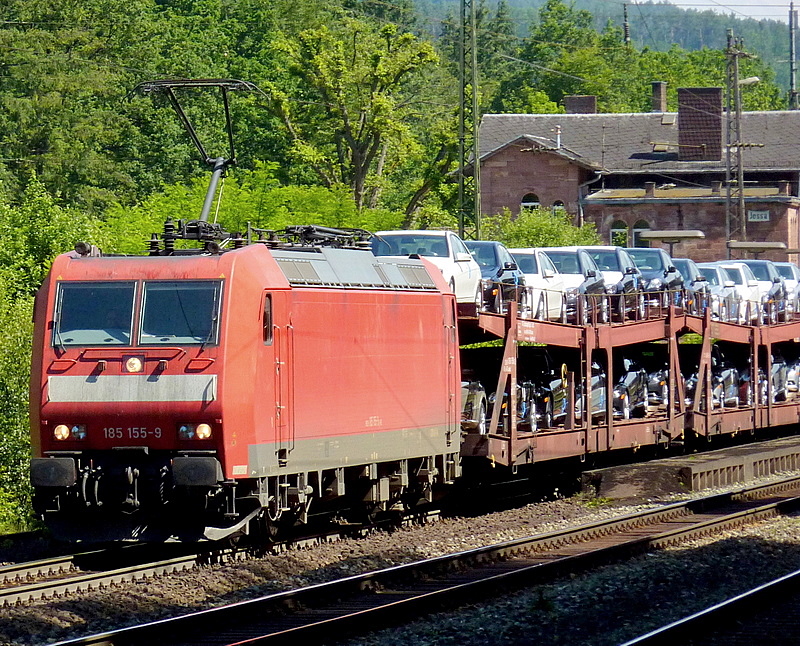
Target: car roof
[483, 242]
[426, 232]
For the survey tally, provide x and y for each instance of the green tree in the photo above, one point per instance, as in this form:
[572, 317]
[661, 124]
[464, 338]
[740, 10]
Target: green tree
[254, 198]
[537, 228]
[33, 233]
[352, 91]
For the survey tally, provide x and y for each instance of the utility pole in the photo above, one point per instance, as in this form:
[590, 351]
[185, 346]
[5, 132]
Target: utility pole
[469, 188]
[793, 103]
[626, 25]
[735, 215]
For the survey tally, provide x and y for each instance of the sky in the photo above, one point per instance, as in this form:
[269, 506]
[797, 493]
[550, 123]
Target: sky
[774, 9]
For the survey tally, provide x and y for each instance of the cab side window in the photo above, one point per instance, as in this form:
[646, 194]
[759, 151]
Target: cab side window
[266, 320]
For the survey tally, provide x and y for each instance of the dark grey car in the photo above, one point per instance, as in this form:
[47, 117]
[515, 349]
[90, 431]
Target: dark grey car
[663, 283]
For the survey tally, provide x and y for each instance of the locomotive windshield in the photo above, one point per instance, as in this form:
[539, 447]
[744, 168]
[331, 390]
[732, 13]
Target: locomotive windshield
[94, 314]
[102, 313]
[180, 312]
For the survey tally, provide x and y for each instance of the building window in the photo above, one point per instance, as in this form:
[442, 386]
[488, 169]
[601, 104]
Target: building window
[530, 201]
[558, 207]
[619, 234]
[640, 226]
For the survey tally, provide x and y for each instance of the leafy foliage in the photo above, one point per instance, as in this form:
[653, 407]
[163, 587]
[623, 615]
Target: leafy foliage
[538, 228]
[357, 125]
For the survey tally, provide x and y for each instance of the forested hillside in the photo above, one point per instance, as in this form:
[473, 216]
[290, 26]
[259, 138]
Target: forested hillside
[355, 124]
[655, 25]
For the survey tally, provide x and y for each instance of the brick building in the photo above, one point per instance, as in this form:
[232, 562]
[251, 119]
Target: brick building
[658, 170]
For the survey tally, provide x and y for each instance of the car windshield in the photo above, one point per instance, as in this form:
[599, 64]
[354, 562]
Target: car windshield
[98, 313]
[647, 258]
[683, 266]
[606, 260]
[734, 274]
[526, 263]
[760, 270]
[180, 312]
[484, 254]
[565, 261]
[407, 244]
[710, 275]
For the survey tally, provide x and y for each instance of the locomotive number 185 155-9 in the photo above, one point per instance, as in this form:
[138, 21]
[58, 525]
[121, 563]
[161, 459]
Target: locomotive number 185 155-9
[131, 432]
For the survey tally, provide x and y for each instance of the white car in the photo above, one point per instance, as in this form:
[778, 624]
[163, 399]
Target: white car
[442, 248]
[747, 287]
[726, 301]
[791, 279]
[544, 284]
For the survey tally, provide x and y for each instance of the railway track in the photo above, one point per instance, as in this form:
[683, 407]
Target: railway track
[764, 615]
[60, 575]
[400, 594]
[57, 576]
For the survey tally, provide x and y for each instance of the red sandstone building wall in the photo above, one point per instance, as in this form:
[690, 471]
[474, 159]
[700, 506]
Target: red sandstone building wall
[706, 216]
[514, 172]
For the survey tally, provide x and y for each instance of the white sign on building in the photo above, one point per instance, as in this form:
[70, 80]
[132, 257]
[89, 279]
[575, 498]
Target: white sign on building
[758, 216]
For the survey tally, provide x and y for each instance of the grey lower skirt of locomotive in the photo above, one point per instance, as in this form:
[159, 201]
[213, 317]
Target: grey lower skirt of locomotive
[136, 493]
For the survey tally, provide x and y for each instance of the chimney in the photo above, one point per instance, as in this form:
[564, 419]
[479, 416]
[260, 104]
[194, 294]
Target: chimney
[659, 96]
[649, 189]
[580, 104]
[699, 123]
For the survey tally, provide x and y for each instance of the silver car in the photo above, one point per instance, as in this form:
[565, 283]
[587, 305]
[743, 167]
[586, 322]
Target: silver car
[544, 284]
[726, 302]
[444, 249]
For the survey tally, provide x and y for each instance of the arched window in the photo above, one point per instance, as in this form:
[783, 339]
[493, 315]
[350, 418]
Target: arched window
[641, 225]
[619, 234]
[558, 207]
[530, 201]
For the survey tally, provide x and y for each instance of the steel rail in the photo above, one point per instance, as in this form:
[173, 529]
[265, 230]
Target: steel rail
[91, 580]
[402, 593]
[63, 575]
[735, 611]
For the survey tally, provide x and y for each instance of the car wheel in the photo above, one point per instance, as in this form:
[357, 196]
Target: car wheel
[540, 314]
[621, 308]
[547, 422]
[483, 424]
[748, 395]
[626, 407]
[604, 311]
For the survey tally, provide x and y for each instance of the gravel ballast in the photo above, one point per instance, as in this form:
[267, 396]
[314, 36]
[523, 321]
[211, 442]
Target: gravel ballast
[594, 609]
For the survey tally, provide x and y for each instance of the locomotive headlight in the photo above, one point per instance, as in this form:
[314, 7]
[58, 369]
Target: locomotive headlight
[75, 432]
[134, 364]
[194, 431]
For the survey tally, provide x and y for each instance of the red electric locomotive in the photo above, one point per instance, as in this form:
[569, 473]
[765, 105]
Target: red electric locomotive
[196, 396]
[199, 394]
